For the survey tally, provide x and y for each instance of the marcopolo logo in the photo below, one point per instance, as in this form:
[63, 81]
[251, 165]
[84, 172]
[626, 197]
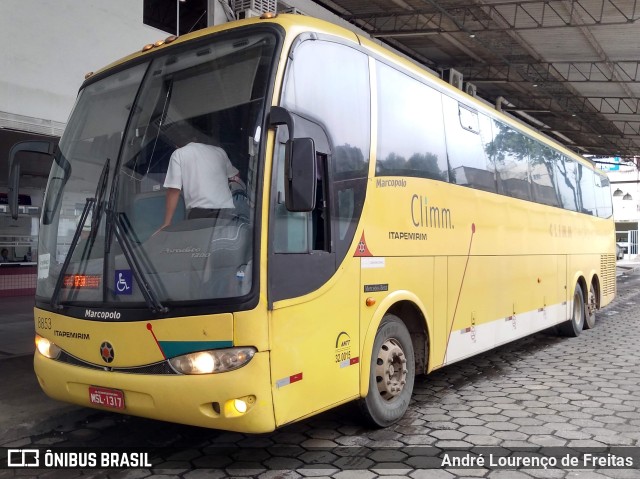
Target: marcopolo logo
[93, 314]
[392, 183]
[426, 215]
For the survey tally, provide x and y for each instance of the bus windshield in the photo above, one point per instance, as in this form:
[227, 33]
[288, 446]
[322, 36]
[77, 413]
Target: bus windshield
[186, 123]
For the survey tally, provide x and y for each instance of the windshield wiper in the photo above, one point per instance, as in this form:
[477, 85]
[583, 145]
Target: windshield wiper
[96, 204]
[99, 201]
[89, 203]
[118, 228]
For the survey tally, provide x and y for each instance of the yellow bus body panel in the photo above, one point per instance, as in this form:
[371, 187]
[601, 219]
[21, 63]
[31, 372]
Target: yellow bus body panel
[486, 267]
[187, 399]
[135, 343]
[315, 347]
[182, 399]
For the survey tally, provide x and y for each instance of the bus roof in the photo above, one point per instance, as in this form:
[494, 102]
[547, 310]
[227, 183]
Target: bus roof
[287, 21]
[306, 23]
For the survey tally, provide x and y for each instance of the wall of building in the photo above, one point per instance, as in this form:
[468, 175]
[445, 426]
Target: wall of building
[625, 184]
[51, 44]
[625, 187]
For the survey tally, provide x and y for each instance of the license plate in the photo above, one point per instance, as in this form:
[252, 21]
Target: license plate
[111, 398]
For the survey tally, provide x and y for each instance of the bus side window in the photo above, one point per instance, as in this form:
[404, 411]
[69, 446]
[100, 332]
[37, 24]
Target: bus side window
[587, 185]
[302, 232]
[320, 214]
[511, 150]
[291, 232]
[469, 149]
[541, 161]
[603, 197]
[332, 105]
[410, 140]
[566, 182]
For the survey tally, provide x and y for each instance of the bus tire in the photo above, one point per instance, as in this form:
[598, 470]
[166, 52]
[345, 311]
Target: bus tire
[573, 327]
[391, 375]
[590, 308]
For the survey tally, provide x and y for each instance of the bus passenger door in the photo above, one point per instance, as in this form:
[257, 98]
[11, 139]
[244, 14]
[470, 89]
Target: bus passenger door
[314, 300]
[313, 278]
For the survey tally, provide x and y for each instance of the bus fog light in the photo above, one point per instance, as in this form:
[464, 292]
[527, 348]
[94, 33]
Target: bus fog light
[213, 361]
[240, 406]
[47, 348]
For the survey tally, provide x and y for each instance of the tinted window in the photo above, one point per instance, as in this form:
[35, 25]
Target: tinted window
[587, 186]
[328, 83]
[468, 134]
[603, 197]
[291, 233]
[566, 182]
[541, 165]
[410, 129]
[510, 151]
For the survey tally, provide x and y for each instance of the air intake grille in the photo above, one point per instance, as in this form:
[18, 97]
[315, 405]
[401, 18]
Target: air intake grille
[156, 368]
[608, 274]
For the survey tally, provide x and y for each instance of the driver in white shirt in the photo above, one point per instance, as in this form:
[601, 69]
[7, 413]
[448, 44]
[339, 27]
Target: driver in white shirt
[202, 172]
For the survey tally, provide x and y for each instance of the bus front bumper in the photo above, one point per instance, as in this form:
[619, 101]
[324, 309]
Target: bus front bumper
[239, 400]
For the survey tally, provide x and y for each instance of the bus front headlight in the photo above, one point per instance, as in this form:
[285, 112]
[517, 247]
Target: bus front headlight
[213, 361]
[47, 348]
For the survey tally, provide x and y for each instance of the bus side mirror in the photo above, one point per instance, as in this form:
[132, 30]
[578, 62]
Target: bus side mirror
[42, 147]
[300, 165]
[300, 175]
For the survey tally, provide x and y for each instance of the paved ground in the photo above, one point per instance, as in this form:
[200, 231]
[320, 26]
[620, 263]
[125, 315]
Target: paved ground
[16, 326]
[579, 395]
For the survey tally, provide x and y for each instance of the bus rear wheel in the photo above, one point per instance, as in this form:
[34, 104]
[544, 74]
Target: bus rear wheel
[573, 327]
[391, 375]
[591, 307]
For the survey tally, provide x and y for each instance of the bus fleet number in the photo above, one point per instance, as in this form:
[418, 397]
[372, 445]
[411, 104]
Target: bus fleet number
[44, 323]
[343, 356]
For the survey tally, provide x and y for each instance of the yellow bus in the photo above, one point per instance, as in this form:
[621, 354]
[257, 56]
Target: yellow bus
[383, 224]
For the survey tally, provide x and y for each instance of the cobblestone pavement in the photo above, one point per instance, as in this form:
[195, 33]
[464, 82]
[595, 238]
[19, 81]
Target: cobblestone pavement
[529, 397]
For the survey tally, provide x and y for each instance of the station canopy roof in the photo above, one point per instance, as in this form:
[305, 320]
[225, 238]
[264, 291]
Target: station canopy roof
[570, 68]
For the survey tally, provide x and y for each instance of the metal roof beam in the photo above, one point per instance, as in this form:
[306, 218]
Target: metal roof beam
[517, 15]
[609, 105]
[621, 71]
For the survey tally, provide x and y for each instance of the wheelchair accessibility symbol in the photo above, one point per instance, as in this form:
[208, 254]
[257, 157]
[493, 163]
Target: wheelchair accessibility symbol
[123, 281]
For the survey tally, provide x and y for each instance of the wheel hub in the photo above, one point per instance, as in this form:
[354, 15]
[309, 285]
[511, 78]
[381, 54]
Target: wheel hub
[577, 309]
[592, 306]
[391, 369]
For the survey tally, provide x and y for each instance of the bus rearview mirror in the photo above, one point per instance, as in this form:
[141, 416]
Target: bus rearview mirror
[300, 175]
[39, 146]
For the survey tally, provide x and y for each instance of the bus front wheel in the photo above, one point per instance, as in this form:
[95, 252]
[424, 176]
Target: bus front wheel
[573, 327]
[391, 375]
